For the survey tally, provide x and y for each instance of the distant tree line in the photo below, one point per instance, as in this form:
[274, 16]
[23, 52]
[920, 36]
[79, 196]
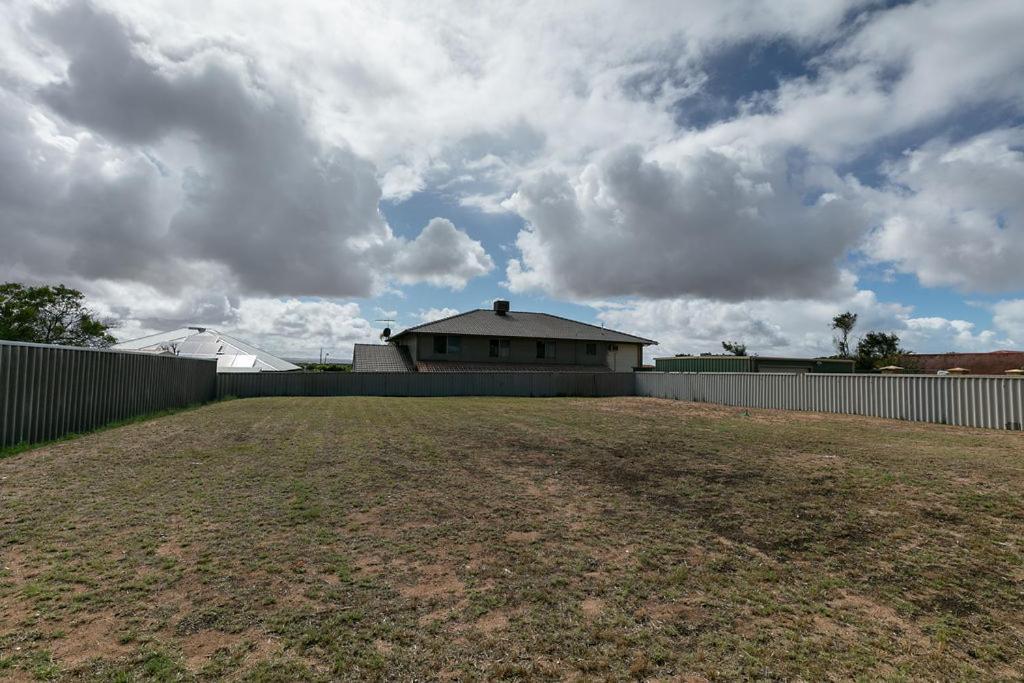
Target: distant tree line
[874, 350]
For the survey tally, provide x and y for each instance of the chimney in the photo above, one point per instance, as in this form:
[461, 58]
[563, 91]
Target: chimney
[500, 306]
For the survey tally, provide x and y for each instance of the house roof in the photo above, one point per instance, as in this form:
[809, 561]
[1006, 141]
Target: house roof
[381, 358]
[993, 363]
[460, 366]
[231, 354]
[487, 323]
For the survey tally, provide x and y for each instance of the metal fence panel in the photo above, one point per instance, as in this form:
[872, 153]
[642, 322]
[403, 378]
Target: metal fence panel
[247, 385]
[49, 391]
[992, 402]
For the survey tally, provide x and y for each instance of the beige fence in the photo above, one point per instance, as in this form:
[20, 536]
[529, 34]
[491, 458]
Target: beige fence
[245, 385]
[982, 401]
[48, 391]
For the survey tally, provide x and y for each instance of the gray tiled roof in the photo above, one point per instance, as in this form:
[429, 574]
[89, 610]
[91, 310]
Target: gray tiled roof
[380, 358]
[487, 323]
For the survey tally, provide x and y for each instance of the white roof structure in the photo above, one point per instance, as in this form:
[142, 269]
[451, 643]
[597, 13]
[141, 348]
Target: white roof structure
[232, 355]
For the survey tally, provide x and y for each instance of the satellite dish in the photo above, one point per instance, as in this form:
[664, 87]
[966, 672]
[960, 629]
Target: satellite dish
[386, 334]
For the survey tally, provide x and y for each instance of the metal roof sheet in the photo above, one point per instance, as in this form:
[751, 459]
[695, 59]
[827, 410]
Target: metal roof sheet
[487, 323]
[199, 342]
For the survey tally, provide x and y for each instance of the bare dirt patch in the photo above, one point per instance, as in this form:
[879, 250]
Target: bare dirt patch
[96, 638]
[522, 536]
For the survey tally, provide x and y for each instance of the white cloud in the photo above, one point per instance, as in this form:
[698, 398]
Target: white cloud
[297, 328]
[431, 314]
[1008, 316]
[957, 218]
[798, 327]
[441, 255]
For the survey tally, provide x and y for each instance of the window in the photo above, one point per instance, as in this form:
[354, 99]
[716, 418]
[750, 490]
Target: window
[545, 349]
[500, 348]
[447, 345]
[591, 348]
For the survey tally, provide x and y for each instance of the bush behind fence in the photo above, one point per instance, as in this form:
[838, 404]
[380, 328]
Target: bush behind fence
[983, 401]
[49, 391]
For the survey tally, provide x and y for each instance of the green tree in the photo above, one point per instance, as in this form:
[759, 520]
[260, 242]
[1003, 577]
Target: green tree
[878, 349]
[843, 324]
[50, 315]
[735, 348]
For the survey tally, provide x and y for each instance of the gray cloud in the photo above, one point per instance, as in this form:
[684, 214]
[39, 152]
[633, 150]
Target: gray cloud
[268, 200]
[711, 227]
[162, 166]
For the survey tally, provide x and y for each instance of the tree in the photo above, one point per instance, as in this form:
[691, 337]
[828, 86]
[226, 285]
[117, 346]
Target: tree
[878, 349]
[50, 315]
[735, 348]
[843, 324]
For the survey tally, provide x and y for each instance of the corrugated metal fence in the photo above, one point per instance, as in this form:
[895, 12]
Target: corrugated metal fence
[245, 385]
[48, 391]
[982, 401]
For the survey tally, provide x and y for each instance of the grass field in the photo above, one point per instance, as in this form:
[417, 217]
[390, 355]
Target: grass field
[589, 539]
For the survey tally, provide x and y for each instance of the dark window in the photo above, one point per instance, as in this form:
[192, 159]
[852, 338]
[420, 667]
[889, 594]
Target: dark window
[545, 349]
[591, 349]
[447, 345]
[499, 348]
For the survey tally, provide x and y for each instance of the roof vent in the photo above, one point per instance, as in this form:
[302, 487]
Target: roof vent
[501, 306]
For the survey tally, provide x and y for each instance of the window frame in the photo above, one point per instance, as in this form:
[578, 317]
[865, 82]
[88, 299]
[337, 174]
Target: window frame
[447, 344]
[546, 349]
[587, 350]
[499, 348]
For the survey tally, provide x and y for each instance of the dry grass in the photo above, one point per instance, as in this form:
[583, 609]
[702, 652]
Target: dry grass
[362, 538]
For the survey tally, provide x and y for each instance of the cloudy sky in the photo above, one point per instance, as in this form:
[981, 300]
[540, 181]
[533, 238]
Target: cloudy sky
[689, 171]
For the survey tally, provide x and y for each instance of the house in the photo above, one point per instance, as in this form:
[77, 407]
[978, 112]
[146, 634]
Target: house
[503, 340]
[992, 363]
[721, 363]
[232, 355]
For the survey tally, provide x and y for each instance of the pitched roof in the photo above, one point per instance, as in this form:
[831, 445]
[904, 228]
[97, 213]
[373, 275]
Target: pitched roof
[993, 363]
[381, 358]
[231, 354]
[487, 323]
[460, 366]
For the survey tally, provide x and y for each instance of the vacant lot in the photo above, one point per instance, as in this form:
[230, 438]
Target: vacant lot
[282, 539]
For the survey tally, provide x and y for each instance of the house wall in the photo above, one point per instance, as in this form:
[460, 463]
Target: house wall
[625, 358]
[524, 350]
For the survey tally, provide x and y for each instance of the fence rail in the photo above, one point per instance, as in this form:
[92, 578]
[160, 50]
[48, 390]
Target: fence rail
[48, 391]
[246, 385]
[982, 401]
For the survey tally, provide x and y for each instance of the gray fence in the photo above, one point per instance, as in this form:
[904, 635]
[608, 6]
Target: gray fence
[982, 401]
[245, 385]
[48, 391]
